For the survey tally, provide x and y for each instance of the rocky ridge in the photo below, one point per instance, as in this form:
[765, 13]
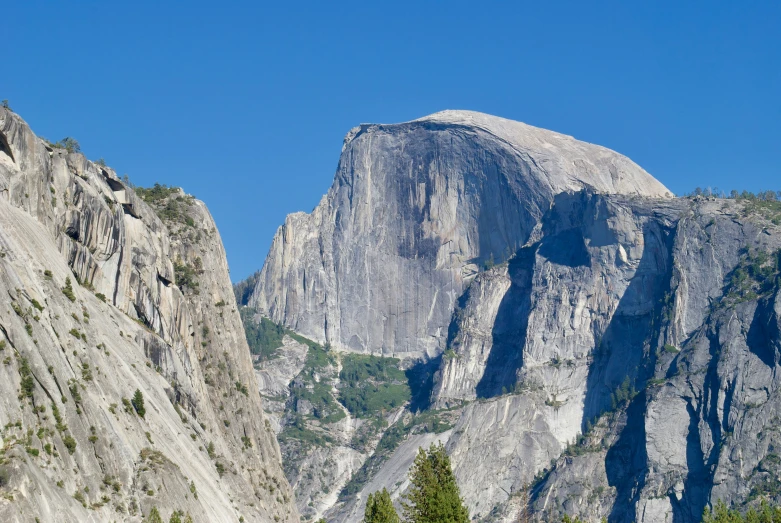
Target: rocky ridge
[107, 294]
[616, 357]
[415, 210]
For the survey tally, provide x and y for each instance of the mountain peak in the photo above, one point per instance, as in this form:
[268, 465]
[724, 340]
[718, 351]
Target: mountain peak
[566, 163]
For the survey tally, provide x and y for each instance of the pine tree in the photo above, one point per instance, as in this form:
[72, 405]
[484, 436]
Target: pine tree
[138, 403]
[379, 508]
[434, 496]
[68, 290]
[722, 514]
[154, 516]
[70, 144]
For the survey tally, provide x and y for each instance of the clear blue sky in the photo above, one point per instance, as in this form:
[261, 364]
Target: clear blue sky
[245, 104]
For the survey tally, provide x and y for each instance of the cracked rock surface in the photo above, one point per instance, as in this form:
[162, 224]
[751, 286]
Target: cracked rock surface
[149, 307]
[414, 211]
[604, 349]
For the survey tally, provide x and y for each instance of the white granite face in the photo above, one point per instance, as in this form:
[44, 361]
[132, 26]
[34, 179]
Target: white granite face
[601, 278]
[414, 211]
[129, 326]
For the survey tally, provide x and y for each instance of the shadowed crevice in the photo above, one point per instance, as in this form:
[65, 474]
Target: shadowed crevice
[420, 378]
[700, 464]
[764, 327]
[626, 463]
[510, 326]
[5, 148]
[626, 348]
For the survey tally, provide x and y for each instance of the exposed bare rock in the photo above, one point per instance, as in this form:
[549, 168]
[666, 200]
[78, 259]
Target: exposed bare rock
[414, 211]
[149, 307]
[604, 349]
[652, 327]
[393, 476]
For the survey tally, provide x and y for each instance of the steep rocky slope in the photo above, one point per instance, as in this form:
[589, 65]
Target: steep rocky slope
[329, 409]
[414, 211]
[106, 295]
[620, 359]
[649, 326]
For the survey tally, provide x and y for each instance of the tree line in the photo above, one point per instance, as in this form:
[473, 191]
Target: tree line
[734, 194]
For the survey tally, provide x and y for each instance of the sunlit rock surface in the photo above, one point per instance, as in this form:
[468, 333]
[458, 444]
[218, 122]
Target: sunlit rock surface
[129, 324]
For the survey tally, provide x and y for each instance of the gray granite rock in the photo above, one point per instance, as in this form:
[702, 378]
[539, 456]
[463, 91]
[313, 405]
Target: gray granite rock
[621, 289]
[414, 211]
[134, 321]
[612, 369]
[608, 350]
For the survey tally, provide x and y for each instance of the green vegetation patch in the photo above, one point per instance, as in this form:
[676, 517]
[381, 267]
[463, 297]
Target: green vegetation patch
[244, 288]
[623, 394]
[27, 380]
[762, 205]
[170, 203]
[264, 337]
[69, 144]
[138, 403]
[68, 290]
[723, 514]
[297, 430]
[314, 384]
[372, 385]
[317, 357]
[186, 275]
[757, 274]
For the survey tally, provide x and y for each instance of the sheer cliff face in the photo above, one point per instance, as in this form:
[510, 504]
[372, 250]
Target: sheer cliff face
[415, 210]
[620, 360]
[650, 326]
[150, 309]
[623, 364]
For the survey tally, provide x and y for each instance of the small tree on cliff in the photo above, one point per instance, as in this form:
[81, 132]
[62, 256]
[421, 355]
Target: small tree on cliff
[70, 144]
[434, 496]
[379, 509]
[138, 403]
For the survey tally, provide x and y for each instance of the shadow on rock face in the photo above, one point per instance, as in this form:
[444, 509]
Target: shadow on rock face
[625, 346]
[764, 328]
[567, 248]
[421, 382]
[509, 331]
[626, 463]
[626, 351]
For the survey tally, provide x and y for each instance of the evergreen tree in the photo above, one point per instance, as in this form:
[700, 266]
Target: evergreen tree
[154, 516]
[70, 144]
[722, 514]
[379, 508]
[434, 496]
[138, 403]
[68, 290]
